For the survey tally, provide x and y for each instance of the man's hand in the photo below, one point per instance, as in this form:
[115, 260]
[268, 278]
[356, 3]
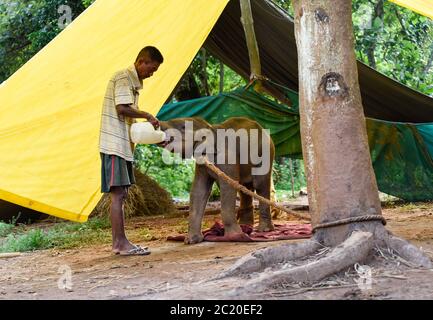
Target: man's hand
[154, 121]
[128, 111]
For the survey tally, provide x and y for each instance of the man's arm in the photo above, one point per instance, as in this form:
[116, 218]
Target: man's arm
[127, 111]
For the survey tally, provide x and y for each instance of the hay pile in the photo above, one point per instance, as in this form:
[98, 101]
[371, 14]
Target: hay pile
[145, 198]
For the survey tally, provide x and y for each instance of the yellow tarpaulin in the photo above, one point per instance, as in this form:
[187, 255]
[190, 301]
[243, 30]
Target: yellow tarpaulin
[424, 7]
[50, 108]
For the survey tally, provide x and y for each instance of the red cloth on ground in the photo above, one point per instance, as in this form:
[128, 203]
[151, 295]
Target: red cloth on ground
[282, 232]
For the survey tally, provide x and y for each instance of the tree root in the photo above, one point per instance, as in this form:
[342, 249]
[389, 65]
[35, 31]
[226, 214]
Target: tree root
[408, 252]
[267, 257]
[355, 249]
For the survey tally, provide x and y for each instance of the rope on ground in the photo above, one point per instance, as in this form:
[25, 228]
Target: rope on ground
[236, 185]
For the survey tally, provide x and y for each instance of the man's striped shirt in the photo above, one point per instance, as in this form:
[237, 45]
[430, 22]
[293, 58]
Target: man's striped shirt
[114, 136]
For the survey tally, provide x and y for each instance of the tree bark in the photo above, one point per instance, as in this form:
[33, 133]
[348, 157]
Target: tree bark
[340, 177]
[221, 77]
[203, 72]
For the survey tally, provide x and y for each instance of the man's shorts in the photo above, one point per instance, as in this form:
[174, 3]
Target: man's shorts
[115, 171]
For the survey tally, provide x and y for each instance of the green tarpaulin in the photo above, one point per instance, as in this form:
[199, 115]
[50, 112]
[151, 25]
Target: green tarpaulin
[401, 152]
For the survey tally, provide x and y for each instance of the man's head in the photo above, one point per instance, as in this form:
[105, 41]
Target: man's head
[148, 61]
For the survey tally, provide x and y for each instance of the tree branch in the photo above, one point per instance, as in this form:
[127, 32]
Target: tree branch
[370, 52]
[400, 20]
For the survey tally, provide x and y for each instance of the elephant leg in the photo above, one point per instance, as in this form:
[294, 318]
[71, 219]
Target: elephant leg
[200, 192]
[263, 188]
[228, 208]
[246, 210]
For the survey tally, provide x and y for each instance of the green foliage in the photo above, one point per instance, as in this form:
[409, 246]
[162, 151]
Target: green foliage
[232, 80]
[215, 193]
[29, 241]
[93, 224]
[283, 174]
[392, 39]
[26, 26]
[286, 5]
[395, 41]
[176, 178]
[213, 67]
[5, 229]
[87, 3]
[62, 235]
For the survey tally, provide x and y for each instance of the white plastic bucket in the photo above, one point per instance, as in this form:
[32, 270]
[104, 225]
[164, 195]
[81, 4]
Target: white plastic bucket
[145, 133]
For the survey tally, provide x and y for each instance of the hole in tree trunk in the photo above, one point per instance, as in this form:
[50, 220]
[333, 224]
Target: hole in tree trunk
[333, 85]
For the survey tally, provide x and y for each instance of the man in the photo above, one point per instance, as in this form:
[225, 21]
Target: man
[120, 108]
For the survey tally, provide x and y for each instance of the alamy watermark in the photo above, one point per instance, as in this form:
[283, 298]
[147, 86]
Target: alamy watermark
[220, 146]
[365, 279]
[66, 16]
[65, 280]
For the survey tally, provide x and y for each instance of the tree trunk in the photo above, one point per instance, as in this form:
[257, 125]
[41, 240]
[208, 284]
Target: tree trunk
[203, 72]
[340, 177]
[221, 77]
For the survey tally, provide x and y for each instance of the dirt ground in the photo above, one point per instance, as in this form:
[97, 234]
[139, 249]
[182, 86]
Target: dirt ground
[178, 271]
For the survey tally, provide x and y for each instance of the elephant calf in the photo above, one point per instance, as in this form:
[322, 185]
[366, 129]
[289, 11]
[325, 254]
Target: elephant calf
[240, 148]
